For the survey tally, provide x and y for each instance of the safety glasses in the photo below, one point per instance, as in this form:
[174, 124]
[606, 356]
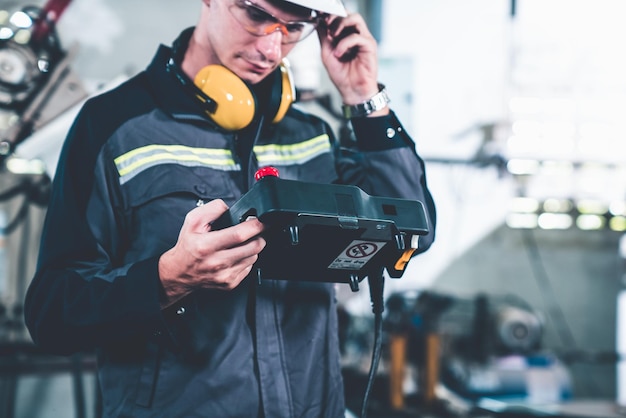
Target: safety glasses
[259, 22]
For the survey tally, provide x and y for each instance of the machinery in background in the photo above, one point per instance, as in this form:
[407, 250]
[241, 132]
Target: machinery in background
[36, 81]
[40, 96]
[36, 86]
[490, 348]
[460, 354]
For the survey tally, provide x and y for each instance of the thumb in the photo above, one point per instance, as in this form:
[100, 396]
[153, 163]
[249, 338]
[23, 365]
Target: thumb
[199, 219]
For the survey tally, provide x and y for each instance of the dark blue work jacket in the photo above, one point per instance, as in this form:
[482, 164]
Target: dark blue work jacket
[136, 160]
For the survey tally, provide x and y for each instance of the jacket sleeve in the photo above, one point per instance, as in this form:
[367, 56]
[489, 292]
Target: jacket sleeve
[80, 296]
[384, 162]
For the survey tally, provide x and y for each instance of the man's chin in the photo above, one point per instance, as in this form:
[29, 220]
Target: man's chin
[252, 73]
[254, 77]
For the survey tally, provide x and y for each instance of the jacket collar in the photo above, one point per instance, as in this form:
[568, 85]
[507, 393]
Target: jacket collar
[172, 95]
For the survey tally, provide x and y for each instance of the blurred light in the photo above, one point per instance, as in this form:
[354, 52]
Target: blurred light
[594, 167]
[526, 128]
[22, 36]
[21, 20]
[618, 223]
[557, 167]
[521, 220]
[520, 167]
[593, 207]
[534, 105]
[590, 222]
[563, 213]
[557, 144]
[5, 120]
[43, 65]
[6, 33]
[523, 143]
[554, 221]
[24, 166]
[559, 130]
[565, 107]
[618, 208]
[524, 205]
[554, 205]
[4, 17]
[541, 144]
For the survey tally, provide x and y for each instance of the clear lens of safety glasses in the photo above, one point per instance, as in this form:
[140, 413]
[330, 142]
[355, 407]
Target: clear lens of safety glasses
[259, 22]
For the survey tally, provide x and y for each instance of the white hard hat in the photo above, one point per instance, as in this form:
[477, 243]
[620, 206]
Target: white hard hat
[333, 7]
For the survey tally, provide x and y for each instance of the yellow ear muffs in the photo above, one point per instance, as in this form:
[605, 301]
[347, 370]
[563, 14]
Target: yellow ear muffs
[288, 92]
[235, 104]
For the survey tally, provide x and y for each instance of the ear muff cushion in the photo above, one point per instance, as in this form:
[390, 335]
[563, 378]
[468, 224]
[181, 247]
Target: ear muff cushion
[235, 103]
[287, 92]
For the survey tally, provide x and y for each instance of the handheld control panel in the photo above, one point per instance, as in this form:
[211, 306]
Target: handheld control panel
[328, 232]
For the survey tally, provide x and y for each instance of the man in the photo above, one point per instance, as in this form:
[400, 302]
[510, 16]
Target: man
[129, 264]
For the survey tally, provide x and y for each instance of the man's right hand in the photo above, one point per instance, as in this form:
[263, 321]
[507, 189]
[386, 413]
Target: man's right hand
[207, 259]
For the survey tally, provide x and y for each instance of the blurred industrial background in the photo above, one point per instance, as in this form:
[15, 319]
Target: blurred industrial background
[517, 107]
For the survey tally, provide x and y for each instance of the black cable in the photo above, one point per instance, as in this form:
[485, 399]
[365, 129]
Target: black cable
[376, 285]
[78, 385]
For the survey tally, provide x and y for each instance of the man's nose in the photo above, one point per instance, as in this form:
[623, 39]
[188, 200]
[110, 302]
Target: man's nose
[270, 45]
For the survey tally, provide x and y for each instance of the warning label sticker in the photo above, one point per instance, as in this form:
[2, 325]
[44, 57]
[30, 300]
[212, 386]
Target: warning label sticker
[356, 255]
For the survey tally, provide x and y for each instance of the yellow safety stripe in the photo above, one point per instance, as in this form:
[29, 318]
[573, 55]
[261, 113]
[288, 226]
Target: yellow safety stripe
[140, 159]
[294, 153]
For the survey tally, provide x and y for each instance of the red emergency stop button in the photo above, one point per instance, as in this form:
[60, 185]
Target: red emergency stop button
[265, 171]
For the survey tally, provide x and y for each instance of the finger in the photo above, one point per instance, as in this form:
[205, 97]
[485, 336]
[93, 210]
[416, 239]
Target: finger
[247, 238]
[339, 27]
[199, 218]
[230, 266]
[348, 48]
[235, 235]
[322, 33]
[234, 276]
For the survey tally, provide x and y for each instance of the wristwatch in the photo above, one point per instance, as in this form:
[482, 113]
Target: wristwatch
[376, 102]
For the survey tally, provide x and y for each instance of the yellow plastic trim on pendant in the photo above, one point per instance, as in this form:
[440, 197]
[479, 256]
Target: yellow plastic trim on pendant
[404, 259]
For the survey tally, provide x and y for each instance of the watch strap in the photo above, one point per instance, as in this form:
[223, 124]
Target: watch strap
[377, 102]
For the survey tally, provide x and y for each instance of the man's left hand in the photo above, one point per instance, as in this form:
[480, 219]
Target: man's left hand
[349, 53]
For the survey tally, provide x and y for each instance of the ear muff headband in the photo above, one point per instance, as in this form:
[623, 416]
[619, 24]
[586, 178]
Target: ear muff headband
[288, 91]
